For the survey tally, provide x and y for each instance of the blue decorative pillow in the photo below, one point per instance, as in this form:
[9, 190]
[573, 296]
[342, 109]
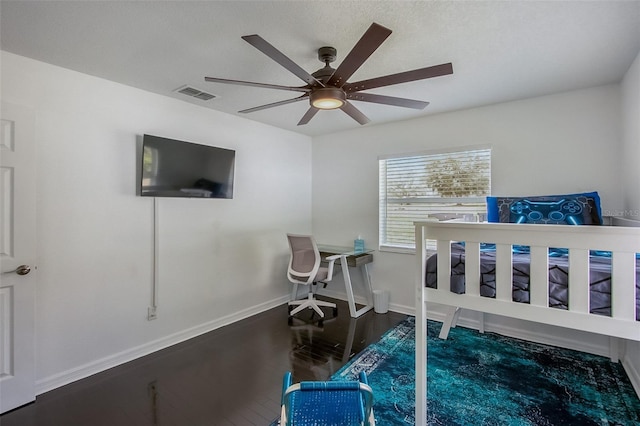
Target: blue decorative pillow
[567, 209]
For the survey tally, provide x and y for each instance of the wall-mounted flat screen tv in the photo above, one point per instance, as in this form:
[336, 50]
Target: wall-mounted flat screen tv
[172, 168]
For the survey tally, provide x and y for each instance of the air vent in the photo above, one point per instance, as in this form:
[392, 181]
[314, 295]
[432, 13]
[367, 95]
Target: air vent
[195, 93]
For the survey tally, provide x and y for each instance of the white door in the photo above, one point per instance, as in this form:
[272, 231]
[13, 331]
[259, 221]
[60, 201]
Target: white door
[17, 256]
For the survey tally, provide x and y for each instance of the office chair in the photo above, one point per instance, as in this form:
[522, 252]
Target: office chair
[304, 268]
[327, 403]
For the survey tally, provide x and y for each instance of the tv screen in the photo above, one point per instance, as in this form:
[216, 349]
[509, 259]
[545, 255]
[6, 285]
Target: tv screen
[172, 168]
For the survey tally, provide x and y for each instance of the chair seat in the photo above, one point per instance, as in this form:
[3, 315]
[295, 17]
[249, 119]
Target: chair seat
[322, 274]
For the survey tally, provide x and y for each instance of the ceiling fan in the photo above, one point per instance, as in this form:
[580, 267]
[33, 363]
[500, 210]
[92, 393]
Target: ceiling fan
[328, 88]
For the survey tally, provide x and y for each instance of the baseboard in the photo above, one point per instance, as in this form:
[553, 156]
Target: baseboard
[547, 339]
[632, 372]
[438, 314]
[577, 344]
[403, 309]
[57, 380]
[523, 333]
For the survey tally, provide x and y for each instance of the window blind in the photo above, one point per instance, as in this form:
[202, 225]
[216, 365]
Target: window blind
[430, 186]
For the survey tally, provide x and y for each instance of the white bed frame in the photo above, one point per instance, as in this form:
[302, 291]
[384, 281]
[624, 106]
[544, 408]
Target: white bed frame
[623, 241]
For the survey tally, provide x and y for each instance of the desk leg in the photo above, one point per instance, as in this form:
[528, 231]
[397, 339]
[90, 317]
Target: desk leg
[355, 313]
[349, 344]
[347, 285]
[368, 290]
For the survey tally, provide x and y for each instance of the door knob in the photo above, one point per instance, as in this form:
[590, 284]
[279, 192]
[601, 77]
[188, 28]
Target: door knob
[20, 270]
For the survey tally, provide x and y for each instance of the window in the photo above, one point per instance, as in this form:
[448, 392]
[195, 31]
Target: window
[435, 185]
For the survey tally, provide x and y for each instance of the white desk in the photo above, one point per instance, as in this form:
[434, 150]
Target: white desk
[359, 260]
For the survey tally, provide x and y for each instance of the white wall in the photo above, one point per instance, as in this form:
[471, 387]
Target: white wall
[631, 139]
[630, 160]
[220, 260]
[568, 142]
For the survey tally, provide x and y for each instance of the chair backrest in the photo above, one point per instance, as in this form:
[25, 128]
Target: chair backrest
[331, 403]
[305, 259]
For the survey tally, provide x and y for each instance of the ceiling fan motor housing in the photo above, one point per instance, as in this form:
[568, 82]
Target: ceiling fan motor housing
[327, 54]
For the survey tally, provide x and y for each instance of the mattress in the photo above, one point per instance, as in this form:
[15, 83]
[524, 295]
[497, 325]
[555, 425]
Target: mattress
[599, 277]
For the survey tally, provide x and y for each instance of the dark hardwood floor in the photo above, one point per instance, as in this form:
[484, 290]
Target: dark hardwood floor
[230, 376]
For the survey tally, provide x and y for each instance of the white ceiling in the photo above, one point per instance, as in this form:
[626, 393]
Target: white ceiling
[500, 50]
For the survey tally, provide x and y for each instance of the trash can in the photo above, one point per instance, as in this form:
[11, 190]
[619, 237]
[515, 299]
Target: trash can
[380, 301]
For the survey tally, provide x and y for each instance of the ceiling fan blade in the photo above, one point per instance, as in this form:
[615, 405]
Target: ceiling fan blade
[354, 113]
[403, 77]
[274, 104]
[311, 112]
[387, 100]
[370, 41]
[251, 83]
[266, 48]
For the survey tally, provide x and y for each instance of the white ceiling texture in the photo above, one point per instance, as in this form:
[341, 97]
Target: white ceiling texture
[500, 50]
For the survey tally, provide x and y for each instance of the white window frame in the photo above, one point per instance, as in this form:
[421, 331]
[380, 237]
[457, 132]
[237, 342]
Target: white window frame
[467, 208]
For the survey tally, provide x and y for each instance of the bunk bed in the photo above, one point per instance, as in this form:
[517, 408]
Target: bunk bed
[601, 293]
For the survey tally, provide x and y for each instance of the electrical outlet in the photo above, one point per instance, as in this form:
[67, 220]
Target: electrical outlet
[151, 313]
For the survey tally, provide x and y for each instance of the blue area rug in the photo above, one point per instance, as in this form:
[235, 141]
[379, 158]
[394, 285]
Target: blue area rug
[488, 379]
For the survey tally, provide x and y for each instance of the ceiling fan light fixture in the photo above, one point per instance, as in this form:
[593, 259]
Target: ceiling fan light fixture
[328, 98]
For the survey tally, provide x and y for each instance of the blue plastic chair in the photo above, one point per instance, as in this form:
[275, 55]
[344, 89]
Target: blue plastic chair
[327, 403]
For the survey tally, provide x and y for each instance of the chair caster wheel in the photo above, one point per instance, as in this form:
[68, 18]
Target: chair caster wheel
[335, 312]
[320, 323]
